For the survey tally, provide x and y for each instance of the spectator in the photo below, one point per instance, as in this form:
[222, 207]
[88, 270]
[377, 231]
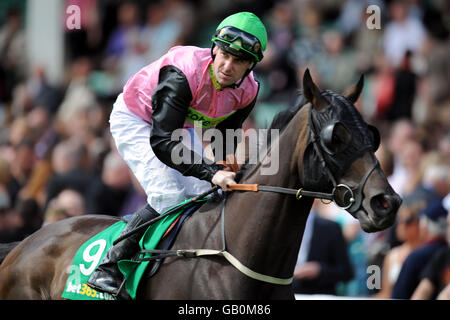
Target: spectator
[444, 145]
[437, 78]
[125, 51]
[184, 13]
[405, 83]
[36, 185]
[21, 167]
[5, 174]
[432, 232]
[136, 198]
[13, 60]
[323, 259]
[428, 183]
[434, 183]
[308, 42]
[276, 68]
[408, 164]
[356, 249]
[36, 90]
[19, 131]
[366, 41]
[5, 206]
[68, 203]
[68, 160]
[404, 32]
[335, 65]
[159, 33]
[381, 89]
[407, 229]
[77, 99]
[28, 219]
[401, 131]
[108, 194]
[435, 277]
[5, 201]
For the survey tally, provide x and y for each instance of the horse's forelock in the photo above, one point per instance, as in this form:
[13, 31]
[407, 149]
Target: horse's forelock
[347, 113]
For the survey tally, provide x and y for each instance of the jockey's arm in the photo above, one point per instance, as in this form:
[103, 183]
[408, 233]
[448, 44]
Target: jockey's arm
[170, 101]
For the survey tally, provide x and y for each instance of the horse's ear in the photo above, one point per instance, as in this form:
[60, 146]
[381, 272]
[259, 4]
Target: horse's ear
[312, 93]
[352, 93]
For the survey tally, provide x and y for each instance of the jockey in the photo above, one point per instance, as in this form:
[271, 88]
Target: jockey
[211, 87]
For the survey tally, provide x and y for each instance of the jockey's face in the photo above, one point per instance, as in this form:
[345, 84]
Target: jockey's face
[228, 68]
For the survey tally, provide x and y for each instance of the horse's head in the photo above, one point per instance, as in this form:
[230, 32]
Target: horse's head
[339, 157]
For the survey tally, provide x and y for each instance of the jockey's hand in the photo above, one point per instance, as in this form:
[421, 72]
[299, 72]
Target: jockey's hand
[223, 178]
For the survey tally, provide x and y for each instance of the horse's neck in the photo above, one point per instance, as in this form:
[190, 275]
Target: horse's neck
[271, 228]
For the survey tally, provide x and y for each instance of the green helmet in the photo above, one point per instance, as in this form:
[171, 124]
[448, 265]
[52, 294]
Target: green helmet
[242, 34]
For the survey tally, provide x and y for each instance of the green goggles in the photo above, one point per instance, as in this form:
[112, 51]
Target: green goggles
[248, 43]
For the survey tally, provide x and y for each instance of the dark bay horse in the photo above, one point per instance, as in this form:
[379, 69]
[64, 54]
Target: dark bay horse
[324, 146]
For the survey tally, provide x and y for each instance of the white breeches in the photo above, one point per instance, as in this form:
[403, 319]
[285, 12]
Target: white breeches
[164, 186]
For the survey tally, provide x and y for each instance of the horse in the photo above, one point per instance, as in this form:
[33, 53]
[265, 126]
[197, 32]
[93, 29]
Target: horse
[324, 146]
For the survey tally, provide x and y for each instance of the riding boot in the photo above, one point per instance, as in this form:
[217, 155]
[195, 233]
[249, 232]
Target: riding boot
[107, 277]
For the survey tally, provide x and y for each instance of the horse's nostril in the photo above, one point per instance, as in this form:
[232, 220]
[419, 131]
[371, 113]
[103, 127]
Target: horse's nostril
[383, 204]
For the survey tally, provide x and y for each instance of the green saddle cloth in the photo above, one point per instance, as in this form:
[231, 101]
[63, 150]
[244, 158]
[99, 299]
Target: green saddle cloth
[92, 251]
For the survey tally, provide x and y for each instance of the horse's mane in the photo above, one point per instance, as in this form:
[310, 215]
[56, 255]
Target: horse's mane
[280, 122]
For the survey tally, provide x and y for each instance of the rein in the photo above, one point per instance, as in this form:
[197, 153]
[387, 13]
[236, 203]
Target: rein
[298, 193]
[354, 202]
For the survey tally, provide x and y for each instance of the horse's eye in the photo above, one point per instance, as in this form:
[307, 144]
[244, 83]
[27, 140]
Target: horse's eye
[335, 138]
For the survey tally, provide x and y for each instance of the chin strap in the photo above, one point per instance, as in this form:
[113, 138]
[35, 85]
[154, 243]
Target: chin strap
[245, 75]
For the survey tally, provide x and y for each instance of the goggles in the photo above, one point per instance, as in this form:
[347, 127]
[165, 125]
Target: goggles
[248, 43]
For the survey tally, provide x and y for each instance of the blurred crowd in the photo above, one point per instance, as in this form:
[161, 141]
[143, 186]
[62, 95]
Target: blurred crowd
[57, 158]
